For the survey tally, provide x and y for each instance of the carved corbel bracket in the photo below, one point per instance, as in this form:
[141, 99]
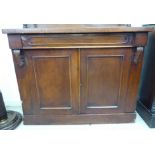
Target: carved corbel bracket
[20, 58]
[138, 52]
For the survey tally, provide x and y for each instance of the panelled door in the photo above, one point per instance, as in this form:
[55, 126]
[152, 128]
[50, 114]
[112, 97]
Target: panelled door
[53, 84]
[73, 81]
[104, 78]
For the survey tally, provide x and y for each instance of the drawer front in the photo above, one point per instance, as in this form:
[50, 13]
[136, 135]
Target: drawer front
[76, 40]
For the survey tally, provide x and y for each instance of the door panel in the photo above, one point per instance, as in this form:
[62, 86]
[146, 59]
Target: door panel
[55, 80]
[104, 78]
[53, 75]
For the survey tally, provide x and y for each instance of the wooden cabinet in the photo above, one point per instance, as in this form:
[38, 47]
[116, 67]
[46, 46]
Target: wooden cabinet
[78, 75]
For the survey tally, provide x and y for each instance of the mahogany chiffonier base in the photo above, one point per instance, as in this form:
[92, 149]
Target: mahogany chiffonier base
[78, 74]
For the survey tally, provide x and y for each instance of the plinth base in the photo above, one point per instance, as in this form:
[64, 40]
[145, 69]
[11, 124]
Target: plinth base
[13, 120]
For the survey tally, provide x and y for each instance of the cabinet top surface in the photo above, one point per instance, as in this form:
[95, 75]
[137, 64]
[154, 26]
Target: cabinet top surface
[76, 28]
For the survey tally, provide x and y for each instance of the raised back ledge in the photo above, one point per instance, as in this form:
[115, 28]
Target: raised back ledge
[77, 28]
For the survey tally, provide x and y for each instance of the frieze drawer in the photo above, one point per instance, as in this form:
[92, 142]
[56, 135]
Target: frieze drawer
[65, 40]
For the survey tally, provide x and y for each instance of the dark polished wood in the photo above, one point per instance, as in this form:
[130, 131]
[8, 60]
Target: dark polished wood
[146, 99]
[78, 73]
